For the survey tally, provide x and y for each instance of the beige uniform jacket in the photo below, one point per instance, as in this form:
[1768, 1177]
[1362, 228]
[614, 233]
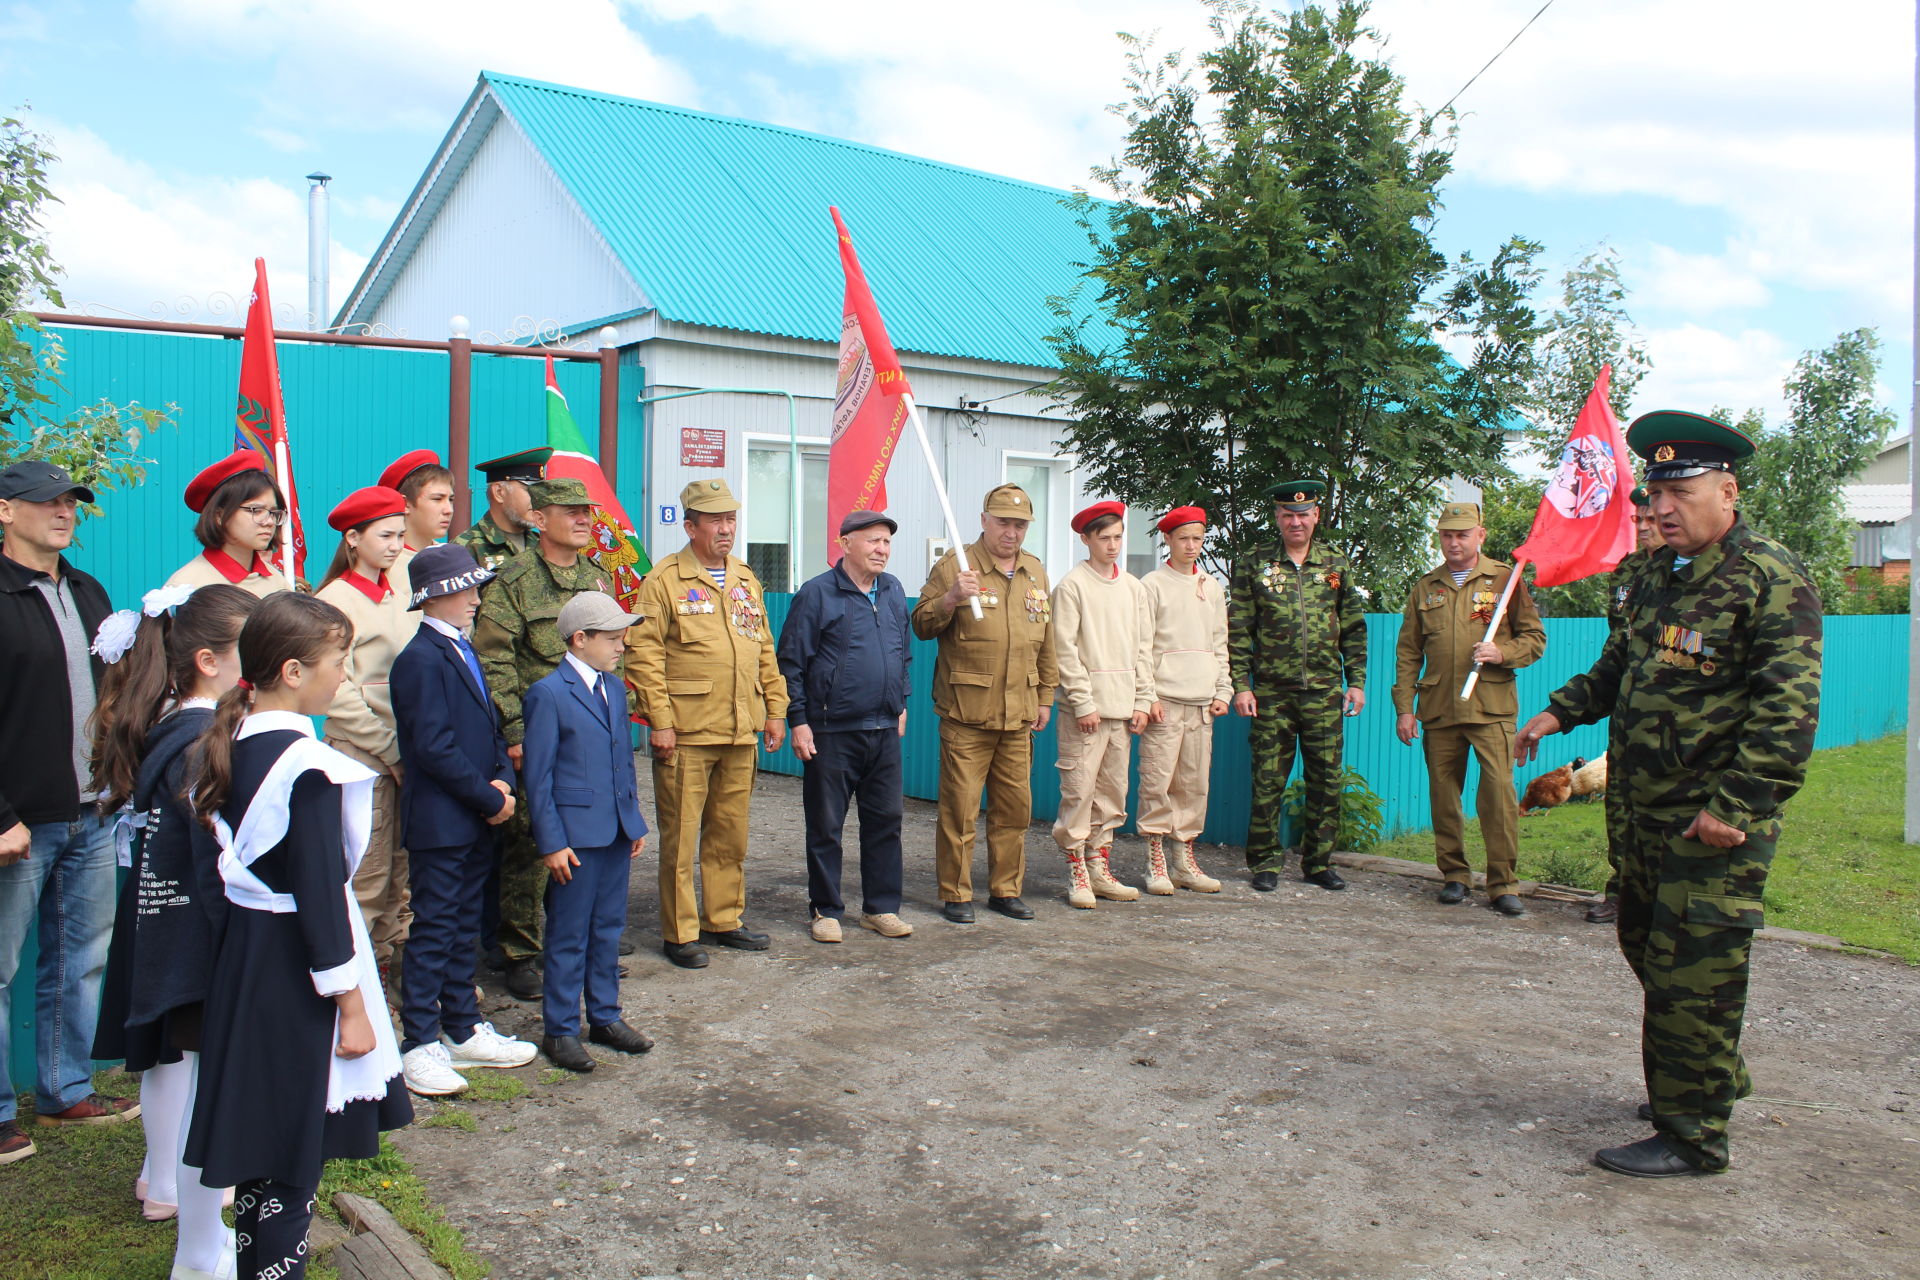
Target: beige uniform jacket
[199, 572]
[1189, 612]
[998, 672]
[1441, 625]
[1103, 644]
[362, 710]
[701, 661]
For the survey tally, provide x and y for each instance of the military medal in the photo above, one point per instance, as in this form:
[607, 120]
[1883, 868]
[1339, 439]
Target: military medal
[1333, 580]
[1272, 576]
[1039, 608]
[1680, 647]
[746, 614]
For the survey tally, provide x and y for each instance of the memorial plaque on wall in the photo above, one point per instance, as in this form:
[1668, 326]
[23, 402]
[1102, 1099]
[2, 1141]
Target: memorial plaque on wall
[703, 447]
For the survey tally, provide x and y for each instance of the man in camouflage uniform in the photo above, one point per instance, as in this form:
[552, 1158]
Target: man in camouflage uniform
[1646, 532]
[1297, 654]
[501, 534]
[517, 638]
[1712, 684]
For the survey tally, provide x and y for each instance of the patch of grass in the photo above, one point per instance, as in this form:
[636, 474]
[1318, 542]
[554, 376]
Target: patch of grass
[388, 1179]
[555, 1075]
[495, 1086]
[1843, 866]
[450, 1118]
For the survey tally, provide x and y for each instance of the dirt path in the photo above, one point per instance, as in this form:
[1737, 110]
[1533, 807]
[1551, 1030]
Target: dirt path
[1302, 1084]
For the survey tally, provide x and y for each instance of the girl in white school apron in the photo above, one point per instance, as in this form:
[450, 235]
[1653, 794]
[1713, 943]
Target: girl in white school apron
[166, 665]
[298, 1061]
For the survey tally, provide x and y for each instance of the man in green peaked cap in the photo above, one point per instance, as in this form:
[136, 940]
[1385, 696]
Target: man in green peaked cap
[1711, 684]
[501, 534]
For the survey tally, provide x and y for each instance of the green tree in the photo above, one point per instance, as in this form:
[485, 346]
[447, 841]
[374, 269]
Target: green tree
[98, 444]
[1263, 295]
[1588, 331]
[1791, 487]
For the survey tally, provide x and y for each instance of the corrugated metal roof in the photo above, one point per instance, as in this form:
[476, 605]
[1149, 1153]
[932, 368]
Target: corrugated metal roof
[1877, 503]
[962, 262]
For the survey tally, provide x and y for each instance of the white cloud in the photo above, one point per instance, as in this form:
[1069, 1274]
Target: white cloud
[126, 234]
[1691, 283]
[1698, 368]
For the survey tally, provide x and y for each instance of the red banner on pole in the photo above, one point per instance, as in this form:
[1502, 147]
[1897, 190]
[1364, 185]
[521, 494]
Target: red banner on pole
[1585, 522]
[261, 420]
[869, 407]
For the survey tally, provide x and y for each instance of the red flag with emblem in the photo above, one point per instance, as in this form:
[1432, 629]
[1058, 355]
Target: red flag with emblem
[261, 420]
[869, 402]
[1585, 522]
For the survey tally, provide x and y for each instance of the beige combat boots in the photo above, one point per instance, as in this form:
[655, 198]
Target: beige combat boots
[1100, 876]
[1187, 874]
[1157, 881]
[1079, 891]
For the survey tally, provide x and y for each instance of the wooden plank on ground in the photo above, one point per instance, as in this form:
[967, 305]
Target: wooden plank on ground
[383, 1249]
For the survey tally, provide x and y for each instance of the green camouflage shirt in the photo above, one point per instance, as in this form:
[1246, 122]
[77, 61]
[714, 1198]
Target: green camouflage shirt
[1295, 626]
[1618, 584]
[1712, 681]
[515, 634]
[491, 547]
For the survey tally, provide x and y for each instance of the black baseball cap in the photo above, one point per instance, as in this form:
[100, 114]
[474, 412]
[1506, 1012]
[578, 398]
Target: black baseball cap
[36, 481]
[441, 570]
[854, 521]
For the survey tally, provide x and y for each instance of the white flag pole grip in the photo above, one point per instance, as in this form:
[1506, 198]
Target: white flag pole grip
[281, 467]
[1499, 612]
[940, 491]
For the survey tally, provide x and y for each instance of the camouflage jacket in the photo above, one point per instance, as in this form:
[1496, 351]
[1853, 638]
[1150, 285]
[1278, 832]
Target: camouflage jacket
[1291, 625]
[1618, 583]
[515, 634]
[491, 547]
[1713, 683]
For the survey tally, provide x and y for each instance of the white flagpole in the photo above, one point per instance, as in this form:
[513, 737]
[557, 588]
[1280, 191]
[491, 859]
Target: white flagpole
[1499, 612]
[940, 491]
[280, 471]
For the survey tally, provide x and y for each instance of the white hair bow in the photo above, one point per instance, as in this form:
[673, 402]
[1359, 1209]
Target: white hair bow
[164, 599]
[117, 630]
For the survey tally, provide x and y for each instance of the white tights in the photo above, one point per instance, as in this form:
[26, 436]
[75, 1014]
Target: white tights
[166, 1110]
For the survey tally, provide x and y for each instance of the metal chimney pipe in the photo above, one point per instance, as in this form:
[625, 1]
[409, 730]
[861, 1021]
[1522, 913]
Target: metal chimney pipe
[319, 307]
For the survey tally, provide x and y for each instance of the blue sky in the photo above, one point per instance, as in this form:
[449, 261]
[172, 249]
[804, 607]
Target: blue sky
[1752, 164]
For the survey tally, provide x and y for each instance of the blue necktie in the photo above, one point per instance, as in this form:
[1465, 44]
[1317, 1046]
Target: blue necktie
[472, 661]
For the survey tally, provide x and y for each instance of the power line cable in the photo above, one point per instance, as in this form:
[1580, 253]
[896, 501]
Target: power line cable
[1495, 58]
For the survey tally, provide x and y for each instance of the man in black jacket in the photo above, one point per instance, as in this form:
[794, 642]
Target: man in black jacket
[56, 854]
[844, 652]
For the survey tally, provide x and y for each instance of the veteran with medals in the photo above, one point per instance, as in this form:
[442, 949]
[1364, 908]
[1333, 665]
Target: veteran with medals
[1711, 686]
[702, 664]
[1297, 652]
[993, 686]
[1442, 636]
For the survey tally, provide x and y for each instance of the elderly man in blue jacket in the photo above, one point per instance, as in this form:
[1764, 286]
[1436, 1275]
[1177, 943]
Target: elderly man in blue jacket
[844, 652]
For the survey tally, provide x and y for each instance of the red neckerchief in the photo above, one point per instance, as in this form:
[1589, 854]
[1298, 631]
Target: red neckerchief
[374, 591]
[230, 568]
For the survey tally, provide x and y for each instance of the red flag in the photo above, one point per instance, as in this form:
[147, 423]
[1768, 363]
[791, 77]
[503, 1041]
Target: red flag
[1585, 522]
[261, 420]
[869, 407]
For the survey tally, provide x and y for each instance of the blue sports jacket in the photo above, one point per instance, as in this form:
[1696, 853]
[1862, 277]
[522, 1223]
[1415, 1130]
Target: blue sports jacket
[845, 656]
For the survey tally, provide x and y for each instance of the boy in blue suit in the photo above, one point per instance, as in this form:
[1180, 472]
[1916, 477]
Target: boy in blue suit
[456, 785]
[584, 805]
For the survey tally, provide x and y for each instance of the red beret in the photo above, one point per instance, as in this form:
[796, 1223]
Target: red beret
[203, 485]
[1179, 516]
[375, 502]
[1094, 512]
[405, 465]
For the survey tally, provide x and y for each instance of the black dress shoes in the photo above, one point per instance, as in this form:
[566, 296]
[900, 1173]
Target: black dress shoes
[1648, 1158]
[618, 1035]
[566, 1051]
[1508, 904]
[523, 980]
[1645, 1112]
[1328, 879]
[1603, 912]
[738, 939]
[688, 955]
[958, 912]
[1453, 893]
[1266, 881]
[1012, 908]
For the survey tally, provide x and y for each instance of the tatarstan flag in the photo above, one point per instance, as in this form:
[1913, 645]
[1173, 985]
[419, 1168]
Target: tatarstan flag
[616, 548]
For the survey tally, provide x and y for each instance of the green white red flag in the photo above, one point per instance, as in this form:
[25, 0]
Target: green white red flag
[616, 547]
[260, 420]
[869, 404]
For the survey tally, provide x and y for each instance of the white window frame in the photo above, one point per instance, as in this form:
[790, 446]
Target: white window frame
[1058, 543]
[751, 440]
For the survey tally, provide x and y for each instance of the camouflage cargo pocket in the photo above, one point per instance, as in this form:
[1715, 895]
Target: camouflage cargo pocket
[1725, 912]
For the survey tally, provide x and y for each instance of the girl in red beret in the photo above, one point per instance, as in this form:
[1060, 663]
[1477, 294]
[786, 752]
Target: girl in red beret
[373, 524]
[241, 511]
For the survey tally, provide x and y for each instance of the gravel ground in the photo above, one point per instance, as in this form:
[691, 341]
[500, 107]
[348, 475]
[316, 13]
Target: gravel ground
[1301, 1084]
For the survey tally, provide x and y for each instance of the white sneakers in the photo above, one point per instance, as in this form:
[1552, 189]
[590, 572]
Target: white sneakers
[487, 1048]
[428, 1072]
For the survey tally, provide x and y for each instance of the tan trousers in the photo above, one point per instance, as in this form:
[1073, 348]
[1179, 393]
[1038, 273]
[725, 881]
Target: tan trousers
[998, 760]
[701, 798]
[1497, 806]
[380, 885]
[1093, 783]
[1176, 758]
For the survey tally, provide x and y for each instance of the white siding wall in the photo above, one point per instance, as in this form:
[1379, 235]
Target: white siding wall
[509, 250]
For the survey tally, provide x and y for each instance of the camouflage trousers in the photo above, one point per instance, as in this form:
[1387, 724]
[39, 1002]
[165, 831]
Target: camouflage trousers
[1618, 834]
[1306, 721]
[523, 886]
[1688, 913]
